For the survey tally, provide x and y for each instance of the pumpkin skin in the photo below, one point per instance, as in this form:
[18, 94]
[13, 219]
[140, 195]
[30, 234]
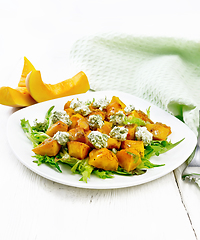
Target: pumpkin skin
[18, 97]
[41, 91]
[28, 67]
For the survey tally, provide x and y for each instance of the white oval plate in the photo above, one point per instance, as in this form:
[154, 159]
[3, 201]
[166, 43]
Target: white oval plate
[172, 159]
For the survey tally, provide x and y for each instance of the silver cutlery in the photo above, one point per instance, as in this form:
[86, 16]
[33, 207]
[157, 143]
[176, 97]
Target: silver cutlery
[192, 171]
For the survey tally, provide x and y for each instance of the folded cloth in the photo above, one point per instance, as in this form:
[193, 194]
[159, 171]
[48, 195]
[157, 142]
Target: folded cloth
[164, 71]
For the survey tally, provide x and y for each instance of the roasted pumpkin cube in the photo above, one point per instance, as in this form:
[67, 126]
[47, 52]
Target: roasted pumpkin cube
[104, 159]
[75, 118]
[49, 147]
[140, 114]
[70, 111]
[106, 128]
[78, 149]
[113, 110]
[131, 131]
[117, 100]
[160, 131]
[87, 140]
[83, 123]
[128, 159]
[113, 143]
[77, 134]
[114, 106]
[137, 145]
[58, 126]
[67, 104]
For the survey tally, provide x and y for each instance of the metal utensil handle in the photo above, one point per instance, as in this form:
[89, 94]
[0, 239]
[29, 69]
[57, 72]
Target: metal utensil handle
[198, 138]
[196, 160]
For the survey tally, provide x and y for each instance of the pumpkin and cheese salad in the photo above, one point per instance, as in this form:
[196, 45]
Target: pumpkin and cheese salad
[102, 137]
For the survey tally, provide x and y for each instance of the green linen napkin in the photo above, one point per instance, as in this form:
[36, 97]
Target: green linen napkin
[164, 71]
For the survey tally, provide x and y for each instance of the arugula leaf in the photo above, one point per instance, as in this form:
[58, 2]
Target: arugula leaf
[123, 172]
[148, 111]
[86, 172]
[48, 160]
[40, 136]
[159, 147]
[48, 115]
[33, 136]
[103, 174]
[82, 167]
[77, 166]
[40, 126]
[147, 164]
[26, 126]
[43, 126]
[134, 120]
[155, 149]
[66, 158]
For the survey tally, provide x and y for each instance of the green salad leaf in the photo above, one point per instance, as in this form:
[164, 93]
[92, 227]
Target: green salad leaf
[159, 147]
[34, 136]
[43, 126]
[48, 160]
[155, 149]
[103, 174]
[40, 126]
[77, 166]
[80, 167]
[134, 120]
[137, 171]
[145, 164]
[148, 111]
[48, 113]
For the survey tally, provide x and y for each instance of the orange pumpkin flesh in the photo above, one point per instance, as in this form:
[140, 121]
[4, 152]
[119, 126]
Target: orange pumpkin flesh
[18, 97]
[128, 159]
[104, 159]
[49, 147]
[41, 91]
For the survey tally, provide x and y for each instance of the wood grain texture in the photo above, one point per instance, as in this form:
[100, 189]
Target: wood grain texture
[190, 193]
[35, 208]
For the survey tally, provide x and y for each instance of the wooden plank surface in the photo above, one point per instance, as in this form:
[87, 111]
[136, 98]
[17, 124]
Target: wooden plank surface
[190, 194]
[35, 208]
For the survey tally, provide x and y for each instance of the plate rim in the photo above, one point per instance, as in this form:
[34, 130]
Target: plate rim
[90, 185]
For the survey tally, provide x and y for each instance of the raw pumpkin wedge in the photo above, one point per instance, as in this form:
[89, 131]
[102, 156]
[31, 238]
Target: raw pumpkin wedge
[28, 67]
[18, 97]
[41, 91]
